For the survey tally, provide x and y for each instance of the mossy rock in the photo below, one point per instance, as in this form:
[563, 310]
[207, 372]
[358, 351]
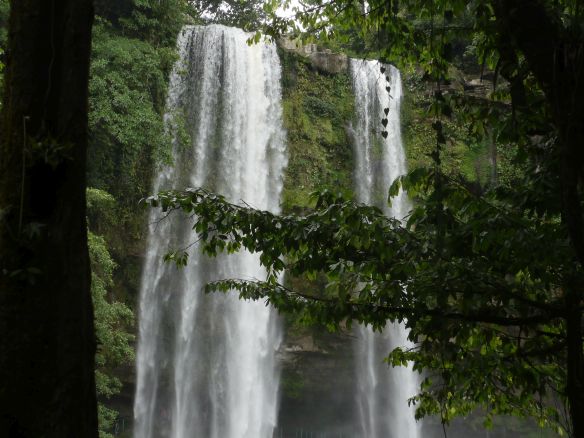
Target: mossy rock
[318, 109]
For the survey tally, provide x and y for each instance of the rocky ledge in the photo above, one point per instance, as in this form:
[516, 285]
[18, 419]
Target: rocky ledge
[324, 60]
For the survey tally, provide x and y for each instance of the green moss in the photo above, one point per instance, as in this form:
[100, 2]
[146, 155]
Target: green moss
[317, 111]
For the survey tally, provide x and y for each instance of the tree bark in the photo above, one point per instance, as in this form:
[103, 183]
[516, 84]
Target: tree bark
[47, 344]
[575, 380]
[556, 58]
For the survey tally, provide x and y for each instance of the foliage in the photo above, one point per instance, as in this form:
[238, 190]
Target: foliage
[112, 322]
[533, 49]
[497, 317]
[480, 162]
[127, 136]
[101, 210]
[158, 22]
[126, 95]
[247, 15]
[133, 53]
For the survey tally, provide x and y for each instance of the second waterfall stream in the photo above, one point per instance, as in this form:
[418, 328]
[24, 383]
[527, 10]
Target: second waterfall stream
[206, 364]
[382, 392]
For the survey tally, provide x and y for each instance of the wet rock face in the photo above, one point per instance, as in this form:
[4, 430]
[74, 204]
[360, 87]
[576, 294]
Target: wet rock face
[329, 62]
[324, 60]
[317, 385]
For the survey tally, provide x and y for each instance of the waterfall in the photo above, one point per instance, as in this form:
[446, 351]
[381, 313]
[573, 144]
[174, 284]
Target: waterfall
[382, 392]
[206, 365]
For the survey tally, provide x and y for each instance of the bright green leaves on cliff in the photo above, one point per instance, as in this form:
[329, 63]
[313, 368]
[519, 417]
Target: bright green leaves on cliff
[113, 322]
[113, 319]
[127, 90]
[158, 22]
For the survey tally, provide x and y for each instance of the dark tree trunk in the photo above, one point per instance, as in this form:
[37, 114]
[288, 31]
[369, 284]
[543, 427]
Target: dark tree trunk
[47, 344]
[556, 57]
[575, 383]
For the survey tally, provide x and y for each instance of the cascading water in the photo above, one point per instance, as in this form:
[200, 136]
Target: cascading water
[382, 392]
[206, 364]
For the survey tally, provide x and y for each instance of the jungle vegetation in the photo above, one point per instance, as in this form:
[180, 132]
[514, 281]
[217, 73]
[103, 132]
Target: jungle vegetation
[492, 264]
